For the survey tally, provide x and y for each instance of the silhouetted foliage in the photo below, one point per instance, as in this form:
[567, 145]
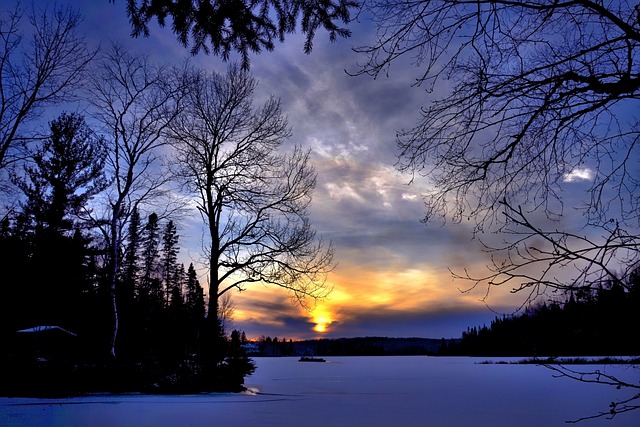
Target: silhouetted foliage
[66, 171]
[48, 233]
[164, 345]
[223, 27]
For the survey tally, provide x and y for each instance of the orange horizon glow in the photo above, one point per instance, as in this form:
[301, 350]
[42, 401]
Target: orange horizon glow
[421, 289]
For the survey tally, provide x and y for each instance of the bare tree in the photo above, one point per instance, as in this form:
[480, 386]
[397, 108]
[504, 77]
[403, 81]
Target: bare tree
[252, 199]
[226, 312]
[134, 102]
[35, 73]
[538, 92]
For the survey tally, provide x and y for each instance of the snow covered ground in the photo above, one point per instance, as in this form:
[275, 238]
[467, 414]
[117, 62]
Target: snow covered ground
[352, 391]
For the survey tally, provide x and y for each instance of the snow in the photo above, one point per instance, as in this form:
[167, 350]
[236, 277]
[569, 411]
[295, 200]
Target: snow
[37, 329]
[353, 391]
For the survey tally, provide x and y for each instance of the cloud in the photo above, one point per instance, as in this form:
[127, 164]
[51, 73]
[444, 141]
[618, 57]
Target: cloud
[579, 174]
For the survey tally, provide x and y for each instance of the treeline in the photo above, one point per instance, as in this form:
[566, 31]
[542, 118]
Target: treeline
[360, 346]
[599, 322]
[56, 276]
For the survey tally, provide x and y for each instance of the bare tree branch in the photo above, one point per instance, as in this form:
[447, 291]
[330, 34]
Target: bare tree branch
[536, 259]
[598, 377]
[36, 73]
[537, 92]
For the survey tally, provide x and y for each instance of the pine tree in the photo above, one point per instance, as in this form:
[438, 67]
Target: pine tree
[180, 280]
[65, 173]
[195, 309]
[129, 315]
[150, 284]
[194, 295]
[131, 260]
[170, 251]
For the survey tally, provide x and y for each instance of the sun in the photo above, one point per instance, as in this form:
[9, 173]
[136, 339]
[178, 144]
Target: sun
[320, 328]
[321, 324]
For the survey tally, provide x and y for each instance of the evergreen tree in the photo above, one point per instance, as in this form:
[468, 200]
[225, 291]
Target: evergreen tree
[170, 251]
[178, 295]
[151, 286]
[131, 260]
[194, 294]
[195, 310]
[65, 173]
[128, 341]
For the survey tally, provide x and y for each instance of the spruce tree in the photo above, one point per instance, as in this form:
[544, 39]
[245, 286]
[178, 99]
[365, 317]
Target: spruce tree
[170, 251]
[131, 260]
[65, 173]
[151, 286]
[130, 319]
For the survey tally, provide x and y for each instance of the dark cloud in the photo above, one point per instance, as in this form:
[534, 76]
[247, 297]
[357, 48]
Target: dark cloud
[447, 323]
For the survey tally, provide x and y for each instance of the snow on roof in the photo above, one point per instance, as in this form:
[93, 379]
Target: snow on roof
[46, 328]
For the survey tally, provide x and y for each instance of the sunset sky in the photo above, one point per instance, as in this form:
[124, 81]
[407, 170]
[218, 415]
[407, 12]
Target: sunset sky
[392, 277]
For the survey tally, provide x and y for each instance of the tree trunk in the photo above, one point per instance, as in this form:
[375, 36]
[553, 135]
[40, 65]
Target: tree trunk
[113, 276]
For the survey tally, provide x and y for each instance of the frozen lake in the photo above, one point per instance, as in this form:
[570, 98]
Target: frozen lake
[353, 391]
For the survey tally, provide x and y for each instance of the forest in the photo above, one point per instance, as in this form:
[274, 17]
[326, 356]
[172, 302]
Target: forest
[62, 315]
[596, 322]
[602, 321]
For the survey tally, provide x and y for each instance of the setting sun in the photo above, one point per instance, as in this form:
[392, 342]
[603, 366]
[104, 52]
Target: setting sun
[321, 327]
[321, 324]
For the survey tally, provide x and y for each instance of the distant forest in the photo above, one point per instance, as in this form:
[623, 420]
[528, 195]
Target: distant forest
[361, 346]
[600, 322]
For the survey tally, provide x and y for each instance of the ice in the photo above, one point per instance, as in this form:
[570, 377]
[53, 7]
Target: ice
[352, 391]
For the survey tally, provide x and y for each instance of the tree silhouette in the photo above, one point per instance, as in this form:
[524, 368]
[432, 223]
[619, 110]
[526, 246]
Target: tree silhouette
[65, 174]
[67, 171]
[170, 267]
[223, 27]
[134, 102]
[252, 199]
[538, 95]
[36, 73]
[150, 283]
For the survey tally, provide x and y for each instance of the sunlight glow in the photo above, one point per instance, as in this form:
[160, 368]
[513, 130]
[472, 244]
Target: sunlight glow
[322, 323]
[321, 327]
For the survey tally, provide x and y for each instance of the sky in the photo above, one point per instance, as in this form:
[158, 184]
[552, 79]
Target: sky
[393, 271]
